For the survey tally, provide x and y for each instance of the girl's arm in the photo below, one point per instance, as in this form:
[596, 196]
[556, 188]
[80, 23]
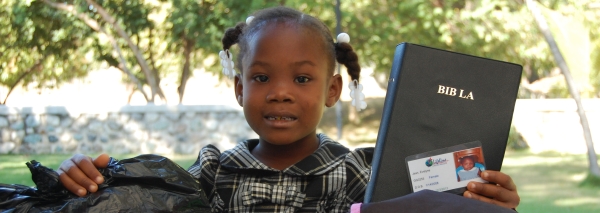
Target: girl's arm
[503, 193]
[79, 174]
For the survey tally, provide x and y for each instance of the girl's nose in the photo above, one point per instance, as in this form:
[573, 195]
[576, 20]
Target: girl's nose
[280, 92]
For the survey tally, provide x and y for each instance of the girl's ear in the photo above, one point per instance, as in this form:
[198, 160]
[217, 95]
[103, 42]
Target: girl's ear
[334, 91]
[239, 88]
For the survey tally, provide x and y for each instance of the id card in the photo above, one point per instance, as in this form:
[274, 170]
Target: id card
[447, 170]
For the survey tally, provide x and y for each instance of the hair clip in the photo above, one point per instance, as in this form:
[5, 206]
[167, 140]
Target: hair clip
[227, 63]
[358, 97]
[343, 38]
[249, 19]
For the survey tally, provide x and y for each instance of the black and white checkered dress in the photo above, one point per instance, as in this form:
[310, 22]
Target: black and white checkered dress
[329, 180]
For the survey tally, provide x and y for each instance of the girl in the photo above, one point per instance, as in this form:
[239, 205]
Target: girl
[286, 79]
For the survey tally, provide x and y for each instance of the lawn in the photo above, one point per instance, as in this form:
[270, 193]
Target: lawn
[548, 182]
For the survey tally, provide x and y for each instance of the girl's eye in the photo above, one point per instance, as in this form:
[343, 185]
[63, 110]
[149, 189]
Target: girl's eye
[261, 78]
[301, 79]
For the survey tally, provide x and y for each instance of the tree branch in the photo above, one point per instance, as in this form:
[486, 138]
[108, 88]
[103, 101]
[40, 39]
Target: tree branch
[138, 55]
[96, 26]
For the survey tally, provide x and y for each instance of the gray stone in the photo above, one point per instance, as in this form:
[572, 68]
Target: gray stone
[57, 110]
[114, 136]
[50, 129]
[66, 122]
[172, 116]
[178, 128]
[113, 115]
[7, 147]
[151, 117]
[29, 130]
[189, 115]
[80, 123]
[161, 124]
[32, 139]
[137, 116]
[114, 125]
[91, 137]
[182, 138]
[52, 138]
[196, 124]
[78, 137]
[59, 149]
[19, 125]
[95, 127]
[52, 120]
[156, 135]
[3, 122]
[103, 138]
[32, 121]
[12, 118]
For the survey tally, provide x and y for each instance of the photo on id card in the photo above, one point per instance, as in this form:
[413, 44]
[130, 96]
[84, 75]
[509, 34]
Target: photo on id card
[448, 169]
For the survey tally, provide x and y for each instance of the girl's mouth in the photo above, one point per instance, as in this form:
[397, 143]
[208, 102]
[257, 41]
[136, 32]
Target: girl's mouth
[279, 118]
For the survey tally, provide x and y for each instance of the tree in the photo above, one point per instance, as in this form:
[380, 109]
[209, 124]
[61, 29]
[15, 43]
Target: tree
[594, 169]
[38, 47]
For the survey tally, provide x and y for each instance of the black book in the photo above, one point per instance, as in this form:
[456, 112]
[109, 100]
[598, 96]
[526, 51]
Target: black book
[438, 99]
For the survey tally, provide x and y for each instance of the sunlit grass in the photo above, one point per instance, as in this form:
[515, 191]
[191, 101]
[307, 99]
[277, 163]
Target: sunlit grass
[550, 182]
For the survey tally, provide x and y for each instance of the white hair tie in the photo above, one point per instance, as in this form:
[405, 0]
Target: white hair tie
[227, 63]
[249, 19]
[343, 38]
[358, 97]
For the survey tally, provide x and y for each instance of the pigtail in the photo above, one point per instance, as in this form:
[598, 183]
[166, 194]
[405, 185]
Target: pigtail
[232, 35]
[345, 55]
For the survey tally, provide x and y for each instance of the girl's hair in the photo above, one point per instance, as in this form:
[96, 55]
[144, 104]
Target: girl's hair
[242, 32]
[471, 157]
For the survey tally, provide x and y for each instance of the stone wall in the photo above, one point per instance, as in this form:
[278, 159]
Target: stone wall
[546, 125]
[129, 129]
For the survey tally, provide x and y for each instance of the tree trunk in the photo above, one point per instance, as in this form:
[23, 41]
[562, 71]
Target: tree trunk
[185, 73]
[562, 64]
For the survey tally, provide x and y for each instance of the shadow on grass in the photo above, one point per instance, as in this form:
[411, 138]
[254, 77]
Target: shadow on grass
[550, 182]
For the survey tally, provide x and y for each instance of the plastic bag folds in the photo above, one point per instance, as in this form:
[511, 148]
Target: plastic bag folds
[146, 183]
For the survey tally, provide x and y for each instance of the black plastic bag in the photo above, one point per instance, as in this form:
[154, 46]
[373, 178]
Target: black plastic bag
[146, 183]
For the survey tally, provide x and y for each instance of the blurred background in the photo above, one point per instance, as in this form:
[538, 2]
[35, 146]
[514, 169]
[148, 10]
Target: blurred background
[128, 77]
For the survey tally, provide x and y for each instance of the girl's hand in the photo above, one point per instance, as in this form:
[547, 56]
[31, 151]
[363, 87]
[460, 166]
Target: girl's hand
[80, 174]
[503, 193]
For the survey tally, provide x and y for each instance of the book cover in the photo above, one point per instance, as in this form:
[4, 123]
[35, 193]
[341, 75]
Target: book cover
[438, 99]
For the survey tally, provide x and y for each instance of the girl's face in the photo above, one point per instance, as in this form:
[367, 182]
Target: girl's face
[285, 83]
[467, 163]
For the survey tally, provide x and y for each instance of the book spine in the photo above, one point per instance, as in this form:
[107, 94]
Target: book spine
[385, 120]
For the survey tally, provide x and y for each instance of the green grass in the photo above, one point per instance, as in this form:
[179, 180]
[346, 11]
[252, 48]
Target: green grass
[550, 182]
[547, 182]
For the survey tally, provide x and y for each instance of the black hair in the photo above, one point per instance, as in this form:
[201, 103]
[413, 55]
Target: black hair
[468, 157]
[342, 52]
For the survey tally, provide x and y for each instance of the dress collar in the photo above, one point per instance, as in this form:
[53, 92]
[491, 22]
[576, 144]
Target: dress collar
[328, 156]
